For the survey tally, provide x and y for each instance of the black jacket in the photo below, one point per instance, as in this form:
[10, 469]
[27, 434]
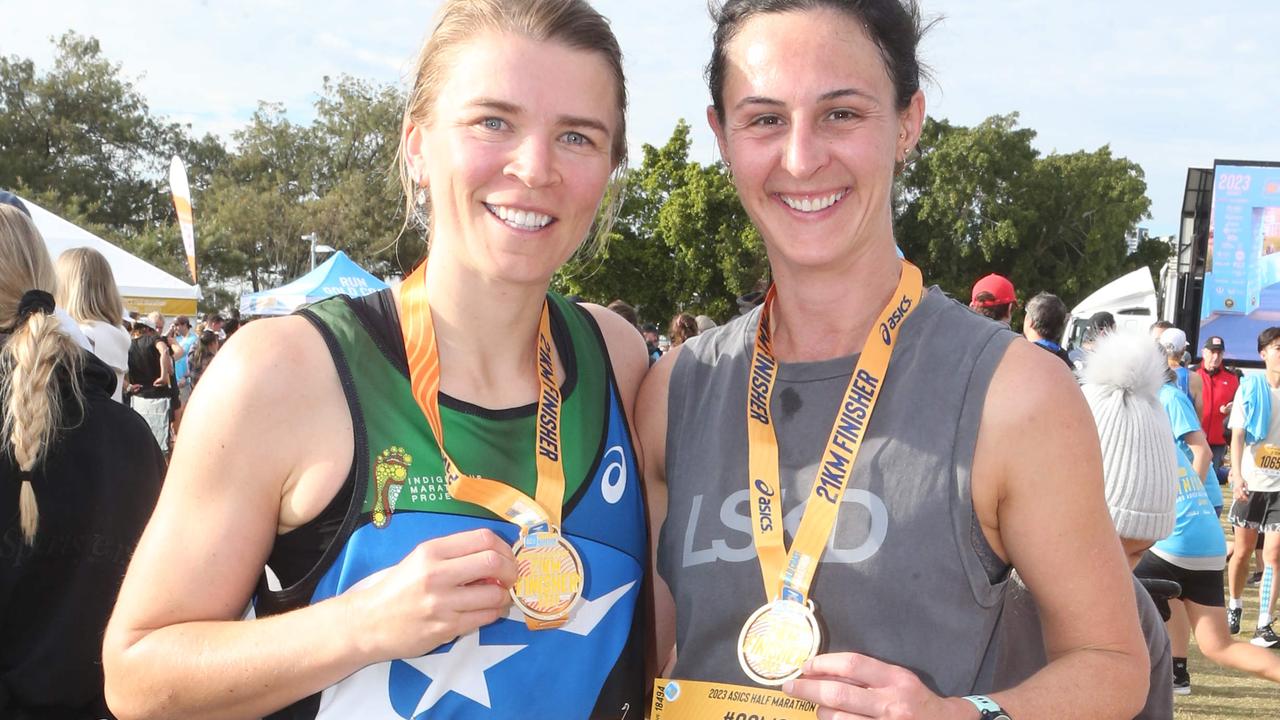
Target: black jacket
[95, 491]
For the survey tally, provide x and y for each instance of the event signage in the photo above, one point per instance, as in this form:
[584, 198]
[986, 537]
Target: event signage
[1242, 258]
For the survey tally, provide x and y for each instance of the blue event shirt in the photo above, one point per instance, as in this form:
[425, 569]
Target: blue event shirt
[1197, 542]
[181, 367]
[1182, 418]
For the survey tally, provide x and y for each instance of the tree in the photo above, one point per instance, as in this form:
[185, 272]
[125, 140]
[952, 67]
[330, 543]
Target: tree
[332, 178]
[83, 130]
[681, 243]
[982, 200]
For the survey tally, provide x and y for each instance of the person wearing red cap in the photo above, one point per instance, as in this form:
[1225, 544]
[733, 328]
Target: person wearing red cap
[994, 297]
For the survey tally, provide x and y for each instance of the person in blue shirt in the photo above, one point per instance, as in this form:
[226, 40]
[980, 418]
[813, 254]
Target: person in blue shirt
[1185, 422]
[1194, 556]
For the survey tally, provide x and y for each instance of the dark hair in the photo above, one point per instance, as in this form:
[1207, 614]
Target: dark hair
[202, 354]
[1266, 337]
[1047, 315]
[995, 312]
[1162, 324]
[893, 25]
[683, 327]
[626, 311]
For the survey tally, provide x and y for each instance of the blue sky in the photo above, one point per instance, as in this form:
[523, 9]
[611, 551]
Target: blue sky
[1170, 85]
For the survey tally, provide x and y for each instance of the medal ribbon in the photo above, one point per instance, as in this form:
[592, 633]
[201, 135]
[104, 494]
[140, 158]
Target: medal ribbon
[788, 574]
[424, 376]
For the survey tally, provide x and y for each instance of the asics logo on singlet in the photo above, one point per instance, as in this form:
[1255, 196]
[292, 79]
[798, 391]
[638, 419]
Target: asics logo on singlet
[858, 535]
[613, 482]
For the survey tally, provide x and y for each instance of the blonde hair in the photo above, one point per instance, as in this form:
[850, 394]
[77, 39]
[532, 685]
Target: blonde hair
[35, 362]
[570, 22]
[87, 288]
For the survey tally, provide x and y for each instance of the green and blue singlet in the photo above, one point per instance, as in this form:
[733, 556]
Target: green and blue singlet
[395, 498]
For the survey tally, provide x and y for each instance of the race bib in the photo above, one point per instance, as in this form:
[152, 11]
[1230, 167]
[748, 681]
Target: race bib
[694, 700]
[1267, 459]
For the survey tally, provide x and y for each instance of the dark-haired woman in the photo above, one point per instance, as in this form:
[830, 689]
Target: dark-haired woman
[852, 469]
[202, 354]
[79, 475]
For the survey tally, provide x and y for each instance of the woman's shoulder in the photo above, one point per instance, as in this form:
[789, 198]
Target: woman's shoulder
[624, 345]
[105, 334]
[274, 355]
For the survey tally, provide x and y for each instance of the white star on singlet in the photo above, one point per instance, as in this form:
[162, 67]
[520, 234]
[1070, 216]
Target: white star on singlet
[460, 670]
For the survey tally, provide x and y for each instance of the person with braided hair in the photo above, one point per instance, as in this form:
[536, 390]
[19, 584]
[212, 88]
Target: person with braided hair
[79, 476]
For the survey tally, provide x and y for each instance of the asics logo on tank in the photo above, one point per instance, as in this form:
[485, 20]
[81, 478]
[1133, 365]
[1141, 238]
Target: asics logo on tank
[613, 480]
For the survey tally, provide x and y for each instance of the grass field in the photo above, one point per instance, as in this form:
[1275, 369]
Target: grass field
[1221, 694]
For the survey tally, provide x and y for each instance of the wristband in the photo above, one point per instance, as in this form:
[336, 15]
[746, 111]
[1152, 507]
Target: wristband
[988, 709]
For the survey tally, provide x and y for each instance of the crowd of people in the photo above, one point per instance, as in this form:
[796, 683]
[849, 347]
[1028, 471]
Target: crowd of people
[1221, 435]
[857, 498]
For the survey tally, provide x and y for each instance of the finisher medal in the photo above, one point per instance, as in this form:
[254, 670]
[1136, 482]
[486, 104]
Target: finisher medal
[780, 637]
[777, 640]
[550, 573]
[549, 577]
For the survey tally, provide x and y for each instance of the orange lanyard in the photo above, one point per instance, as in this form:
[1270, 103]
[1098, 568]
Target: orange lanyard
[424, 375]
[789, 573]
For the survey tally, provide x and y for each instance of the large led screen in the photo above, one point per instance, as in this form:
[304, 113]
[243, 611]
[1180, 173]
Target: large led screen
[1242, 261]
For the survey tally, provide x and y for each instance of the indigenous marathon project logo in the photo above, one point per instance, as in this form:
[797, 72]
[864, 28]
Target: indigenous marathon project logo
[389, 473]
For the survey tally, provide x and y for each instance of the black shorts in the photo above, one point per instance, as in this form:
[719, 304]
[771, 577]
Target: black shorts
[1203, 587]
[1260, 512]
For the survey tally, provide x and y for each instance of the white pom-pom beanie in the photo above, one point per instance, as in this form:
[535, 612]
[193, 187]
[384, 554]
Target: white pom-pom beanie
[1121, 383]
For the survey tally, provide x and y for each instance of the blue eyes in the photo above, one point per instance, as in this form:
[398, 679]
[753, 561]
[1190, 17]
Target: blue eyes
[574, 138]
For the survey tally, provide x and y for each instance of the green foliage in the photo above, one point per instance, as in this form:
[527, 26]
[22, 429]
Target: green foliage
[81, 140]
[84, 131]
[682, 242]
[982, 199]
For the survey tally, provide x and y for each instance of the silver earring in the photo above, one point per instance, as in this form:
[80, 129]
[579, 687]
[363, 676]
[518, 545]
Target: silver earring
[420, 197]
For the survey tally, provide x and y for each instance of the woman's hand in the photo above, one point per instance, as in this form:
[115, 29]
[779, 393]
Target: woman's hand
[1239, 490]
[848, 685]
[443, 589]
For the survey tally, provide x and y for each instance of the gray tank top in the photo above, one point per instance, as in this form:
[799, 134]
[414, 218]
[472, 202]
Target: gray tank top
[903, 577]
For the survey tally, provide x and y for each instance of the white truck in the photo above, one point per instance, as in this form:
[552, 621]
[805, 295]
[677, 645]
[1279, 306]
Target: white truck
[1131, 299]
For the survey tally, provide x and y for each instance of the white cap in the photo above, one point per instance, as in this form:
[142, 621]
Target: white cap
[1174, 339]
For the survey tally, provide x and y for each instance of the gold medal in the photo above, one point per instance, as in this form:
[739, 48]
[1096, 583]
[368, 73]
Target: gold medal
[780, 637]
[550, 574]
[549, 577]
[777, 640]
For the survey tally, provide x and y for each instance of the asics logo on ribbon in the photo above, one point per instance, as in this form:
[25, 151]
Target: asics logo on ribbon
[766, 505]
[895, 319]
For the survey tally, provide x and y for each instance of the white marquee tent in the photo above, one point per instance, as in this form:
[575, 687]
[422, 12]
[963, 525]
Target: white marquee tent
[143, 286]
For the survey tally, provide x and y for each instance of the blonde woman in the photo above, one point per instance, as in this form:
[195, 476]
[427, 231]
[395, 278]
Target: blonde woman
[401, 592]
[79, 475]
[87, 290]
